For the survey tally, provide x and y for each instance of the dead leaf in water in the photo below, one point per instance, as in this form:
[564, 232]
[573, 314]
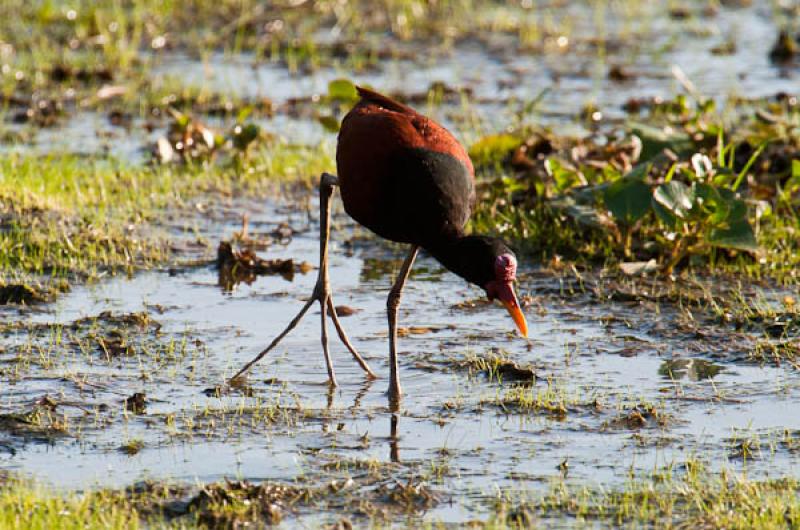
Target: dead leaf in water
[236, 266]
[17, 293]
[239, 384]
[495, 366]
[266, 503]
[620, 74]
[132, 447]
[345, 311]
[111, 91]
[638, 417]
[638, 268]
[695, 369]
[417, 330]
[785, 48]
[474, 303]
[115, 344]
[137, 403]
[46, 402]
[511, 371]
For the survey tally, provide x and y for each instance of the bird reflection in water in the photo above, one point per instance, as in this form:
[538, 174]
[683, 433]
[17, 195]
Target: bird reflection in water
[394, 446]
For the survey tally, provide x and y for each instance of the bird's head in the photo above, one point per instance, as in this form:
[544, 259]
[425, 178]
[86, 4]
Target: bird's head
[501, 287]
[488, 263]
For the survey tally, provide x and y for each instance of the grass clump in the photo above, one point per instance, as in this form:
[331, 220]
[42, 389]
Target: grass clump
[553, 400]
[64, 214]
[697, 498]
[25, 505]
[499, 367]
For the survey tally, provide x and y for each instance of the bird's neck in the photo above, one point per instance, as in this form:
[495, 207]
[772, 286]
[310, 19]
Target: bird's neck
[458, 255]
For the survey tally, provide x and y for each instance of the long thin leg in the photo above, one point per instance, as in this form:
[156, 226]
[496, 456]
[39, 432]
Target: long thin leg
[323, 288]
[392, 303]
[276, 340]
[321, 293]
[346, 341]
[324, 335]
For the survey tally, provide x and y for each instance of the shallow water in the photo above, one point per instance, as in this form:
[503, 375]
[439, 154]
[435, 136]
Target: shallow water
[575, 76]
[447, 418]
[450, 432]
[498, 73]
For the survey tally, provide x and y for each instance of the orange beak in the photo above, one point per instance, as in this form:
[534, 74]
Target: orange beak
[505, 293]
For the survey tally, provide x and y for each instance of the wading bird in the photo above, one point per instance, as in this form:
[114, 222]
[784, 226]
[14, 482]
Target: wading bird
[407, 179]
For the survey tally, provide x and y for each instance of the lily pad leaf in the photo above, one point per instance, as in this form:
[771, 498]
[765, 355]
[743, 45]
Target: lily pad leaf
[737, 208]
[628, 199]
[673, 202]
[716, 205]
[655, 140]
[738, 235]
[342, 90]
[330, 123]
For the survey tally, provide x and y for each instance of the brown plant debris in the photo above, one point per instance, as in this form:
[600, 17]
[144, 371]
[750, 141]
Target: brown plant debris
[243, 265]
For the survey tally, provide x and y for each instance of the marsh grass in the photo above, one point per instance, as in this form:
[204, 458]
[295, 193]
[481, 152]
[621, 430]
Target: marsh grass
[119, 35]
[550, 194]
[695, 498]
[26, 505]
[232, 420]
[555, 400]
[689, 497]
[69, 216]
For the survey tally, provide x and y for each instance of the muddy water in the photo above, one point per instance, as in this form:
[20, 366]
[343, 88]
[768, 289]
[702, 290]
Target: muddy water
[450, 431]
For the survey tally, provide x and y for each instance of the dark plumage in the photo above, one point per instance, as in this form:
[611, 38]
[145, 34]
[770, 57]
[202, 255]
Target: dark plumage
[402, 175]
[407, 179]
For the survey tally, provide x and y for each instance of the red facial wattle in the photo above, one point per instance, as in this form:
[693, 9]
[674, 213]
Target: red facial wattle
[502, 288]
